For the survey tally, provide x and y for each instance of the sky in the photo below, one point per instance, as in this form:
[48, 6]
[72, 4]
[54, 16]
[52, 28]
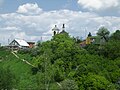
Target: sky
[32, 20]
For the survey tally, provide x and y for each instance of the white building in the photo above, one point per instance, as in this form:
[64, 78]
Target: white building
[18, 44]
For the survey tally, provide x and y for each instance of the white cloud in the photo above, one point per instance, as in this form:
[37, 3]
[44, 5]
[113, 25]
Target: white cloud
[9, 28]
[32, 27]
[98, 4]
[29, 8]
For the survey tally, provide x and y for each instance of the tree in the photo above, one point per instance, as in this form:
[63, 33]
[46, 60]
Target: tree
[116, 35]
[104, 33]
[111, 49]
[97, 82]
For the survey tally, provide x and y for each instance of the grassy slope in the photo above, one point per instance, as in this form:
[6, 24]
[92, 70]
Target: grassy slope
[21, 70]
[9, 60]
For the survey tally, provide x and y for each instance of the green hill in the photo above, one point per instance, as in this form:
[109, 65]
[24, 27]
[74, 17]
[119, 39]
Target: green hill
[61, 64]
[21, 71]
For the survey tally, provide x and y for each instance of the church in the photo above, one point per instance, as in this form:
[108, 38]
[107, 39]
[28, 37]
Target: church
[56, 30]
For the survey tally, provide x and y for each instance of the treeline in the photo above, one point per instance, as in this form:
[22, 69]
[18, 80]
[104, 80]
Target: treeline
[61, 64]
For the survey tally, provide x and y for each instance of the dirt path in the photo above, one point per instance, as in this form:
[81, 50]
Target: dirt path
[22, 59]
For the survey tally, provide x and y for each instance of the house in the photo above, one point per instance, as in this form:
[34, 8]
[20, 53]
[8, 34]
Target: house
[83, 43]
[18, 44]
[87, 41]
[31, 44]
[97, 40]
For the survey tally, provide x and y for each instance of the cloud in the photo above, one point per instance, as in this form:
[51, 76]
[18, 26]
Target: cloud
[9, 28]
[29, 8]
[32, 27]
[99, 4]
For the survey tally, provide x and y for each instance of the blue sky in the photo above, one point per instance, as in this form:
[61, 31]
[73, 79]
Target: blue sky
[8, 6]
[47, 5]
[33, 19]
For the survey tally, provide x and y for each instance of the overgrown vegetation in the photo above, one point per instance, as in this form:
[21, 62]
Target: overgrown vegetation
[61, 64]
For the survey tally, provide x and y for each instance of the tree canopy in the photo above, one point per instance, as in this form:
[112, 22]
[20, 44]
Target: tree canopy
[104, 33]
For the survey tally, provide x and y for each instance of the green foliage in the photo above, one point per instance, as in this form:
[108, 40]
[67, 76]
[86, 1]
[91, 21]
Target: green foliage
[112, 49]
[33, 52]
[58, 76]
[93, 49]
[104, 33]
[62, 65]
[4, 53]
[68, 60]
[69, 85]
[7, 79]
[16, 73]
[96, 82]
[116, 35]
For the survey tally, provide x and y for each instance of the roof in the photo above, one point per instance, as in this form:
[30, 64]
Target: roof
[63, 31]
[31, 42]
[55, 28]
[21, 42]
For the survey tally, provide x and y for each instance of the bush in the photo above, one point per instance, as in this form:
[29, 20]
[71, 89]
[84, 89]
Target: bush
[69, 85]
[7, 79]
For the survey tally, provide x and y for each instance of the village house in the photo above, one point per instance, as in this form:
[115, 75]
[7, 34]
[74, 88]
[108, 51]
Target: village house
[97, 40]
[17, 44]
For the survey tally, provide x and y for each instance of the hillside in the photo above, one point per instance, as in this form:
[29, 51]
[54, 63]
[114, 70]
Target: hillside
[21, 72]
[61, 64]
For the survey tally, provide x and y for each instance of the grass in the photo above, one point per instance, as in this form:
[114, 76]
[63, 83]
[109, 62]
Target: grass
[20, 69]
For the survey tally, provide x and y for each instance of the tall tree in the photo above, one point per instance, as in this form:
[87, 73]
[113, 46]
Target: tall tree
[116, 35]
[104, 33]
